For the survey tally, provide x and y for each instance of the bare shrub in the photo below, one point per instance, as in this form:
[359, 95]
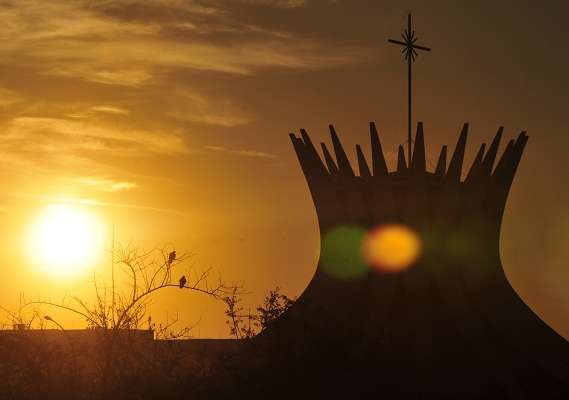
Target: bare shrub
[245, 326]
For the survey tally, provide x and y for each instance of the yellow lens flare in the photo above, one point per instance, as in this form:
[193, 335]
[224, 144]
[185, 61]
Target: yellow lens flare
[65, 240]
[392, 248]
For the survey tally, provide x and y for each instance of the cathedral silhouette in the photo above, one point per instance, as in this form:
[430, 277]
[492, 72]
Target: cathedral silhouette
[447, 326]
[446, 323]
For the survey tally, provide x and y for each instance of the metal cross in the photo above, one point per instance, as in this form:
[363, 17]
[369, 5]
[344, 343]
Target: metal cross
[410, 52]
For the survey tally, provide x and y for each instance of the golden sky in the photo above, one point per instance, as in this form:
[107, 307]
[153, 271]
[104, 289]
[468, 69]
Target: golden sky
[169, 119]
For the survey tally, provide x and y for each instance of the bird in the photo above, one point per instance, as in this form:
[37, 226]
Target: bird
[171, 257]
[183, 281]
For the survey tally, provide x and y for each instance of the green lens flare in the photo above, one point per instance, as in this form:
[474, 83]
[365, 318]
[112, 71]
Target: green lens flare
[341, 255]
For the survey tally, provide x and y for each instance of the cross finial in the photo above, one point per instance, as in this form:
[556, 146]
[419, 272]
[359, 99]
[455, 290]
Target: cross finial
[410, 51]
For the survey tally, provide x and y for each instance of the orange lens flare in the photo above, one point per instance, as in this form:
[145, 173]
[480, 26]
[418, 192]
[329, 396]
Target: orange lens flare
[392, 248]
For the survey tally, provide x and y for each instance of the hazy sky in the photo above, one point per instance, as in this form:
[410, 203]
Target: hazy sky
[171, 118]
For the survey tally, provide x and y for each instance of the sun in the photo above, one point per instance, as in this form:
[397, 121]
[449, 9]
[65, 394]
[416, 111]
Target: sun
[65, 240]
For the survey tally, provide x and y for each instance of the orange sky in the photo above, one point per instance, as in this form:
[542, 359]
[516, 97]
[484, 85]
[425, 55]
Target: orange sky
[171, 118]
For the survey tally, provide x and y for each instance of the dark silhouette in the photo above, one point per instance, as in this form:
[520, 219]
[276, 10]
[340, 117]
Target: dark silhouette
[247, 325]
[172, 257]
[118, 355]
[450, 326]
[410, 52]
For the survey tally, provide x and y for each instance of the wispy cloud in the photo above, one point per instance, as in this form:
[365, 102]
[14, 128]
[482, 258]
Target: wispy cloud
[94, 72]
[100, 109]
[49, 149]
[110, 110]
[235, 58]
[95, 203]
[197, 108]
[111, 43]
[103, 93]
[31, 21]
[277, 3]
[8, 98]
[59, 135]
[106, 185]
[209, 118]
[240, 152]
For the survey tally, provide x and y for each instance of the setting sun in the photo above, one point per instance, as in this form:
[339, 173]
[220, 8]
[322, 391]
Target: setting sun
[65, 240]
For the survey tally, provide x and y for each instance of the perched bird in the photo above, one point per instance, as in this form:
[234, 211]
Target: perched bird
[183, 281]
[171, 257]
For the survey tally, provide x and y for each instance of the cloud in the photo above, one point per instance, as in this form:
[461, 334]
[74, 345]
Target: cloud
[110, 110]
[101, 109]
[29, 21]
[59, 135]
[277, 3]
[106, 185]
[240, 152]
[8, 98]
[107, 75]
[235, 58]
[96, 203]
[156, 10]
[132, 43]
[64, 60]
[34, 149]
[196, 108]
[209, 118]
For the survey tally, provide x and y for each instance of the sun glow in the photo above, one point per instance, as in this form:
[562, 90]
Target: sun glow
[65, 240]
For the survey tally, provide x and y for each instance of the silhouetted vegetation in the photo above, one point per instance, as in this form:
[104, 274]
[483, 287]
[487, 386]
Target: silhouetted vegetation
[149, 272]
[245, 326]
[123, 353]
